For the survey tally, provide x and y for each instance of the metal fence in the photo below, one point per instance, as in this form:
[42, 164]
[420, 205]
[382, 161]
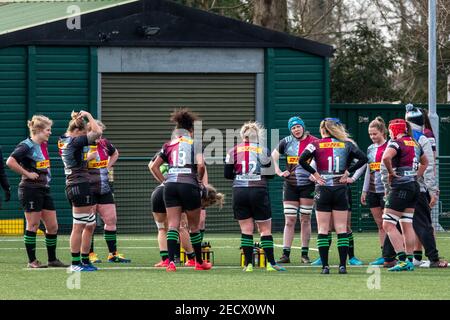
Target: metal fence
[134, 184]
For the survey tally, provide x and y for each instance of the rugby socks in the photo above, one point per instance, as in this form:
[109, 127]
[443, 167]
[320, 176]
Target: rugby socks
[85, 258]
[410, 257]
[202, 233]
[287, 251]
[111, 240]
[323, 244]
[76, 260]
[190, 255]
[267, 245]
[172, 243]
[401, 256]
[196, 241]
[50, 243]
[164, 254]
[351, 245]
[343, 245]
[305, 251]
[330, 239]
[247, 247]
[30, 244]
[418, 255]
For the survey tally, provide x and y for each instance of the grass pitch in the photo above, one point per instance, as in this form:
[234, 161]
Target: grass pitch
[226, 281]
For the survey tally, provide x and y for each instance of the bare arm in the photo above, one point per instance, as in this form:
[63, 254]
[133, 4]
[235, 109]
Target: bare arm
[276, 158]
[16, 167]
[205, 177]
[388, 155]
[201, 168]
[154, 169]
[96, 130]
[113, 159]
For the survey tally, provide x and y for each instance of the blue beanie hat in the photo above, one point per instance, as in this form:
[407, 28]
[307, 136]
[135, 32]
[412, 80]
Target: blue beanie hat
[414, 115]
[294, 121]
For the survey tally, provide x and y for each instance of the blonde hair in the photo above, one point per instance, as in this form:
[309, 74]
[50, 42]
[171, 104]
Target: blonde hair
[38, 123]
[336, 130]
[76, 123]
[251, 131]
[100, 124]
[379, 124]
[213, 197]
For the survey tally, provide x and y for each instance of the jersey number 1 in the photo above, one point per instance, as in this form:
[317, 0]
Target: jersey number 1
[251, 166]
[181, 159]
[330, 164]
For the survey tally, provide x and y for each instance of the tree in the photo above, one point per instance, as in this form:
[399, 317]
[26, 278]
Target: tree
[271, 14]
[318, 20]
[364, 69]
[409, 25]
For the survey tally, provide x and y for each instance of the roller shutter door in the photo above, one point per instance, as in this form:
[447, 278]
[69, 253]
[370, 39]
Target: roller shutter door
[136, 108]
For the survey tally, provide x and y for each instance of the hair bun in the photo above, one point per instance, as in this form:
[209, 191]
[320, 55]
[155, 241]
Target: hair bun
[74, 115]
[380, 119]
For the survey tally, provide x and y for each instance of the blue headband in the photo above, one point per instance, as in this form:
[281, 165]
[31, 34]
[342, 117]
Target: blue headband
[335, 120]
[295, 121]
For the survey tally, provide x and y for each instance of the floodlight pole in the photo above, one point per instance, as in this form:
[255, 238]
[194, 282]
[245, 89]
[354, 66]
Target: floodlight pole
[432, 109]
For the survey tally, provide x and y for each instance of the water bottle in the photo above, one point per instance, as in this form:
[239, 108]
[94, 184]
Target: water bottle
[256, 255]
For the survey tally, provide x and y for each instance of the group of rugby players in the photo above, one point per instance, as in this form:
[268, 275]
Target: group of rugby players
[399, 187]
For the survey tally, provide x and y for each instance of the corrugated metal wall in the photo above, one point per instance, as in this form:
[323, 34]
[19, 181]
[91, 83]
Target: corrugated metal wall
[136, 110]
[137, 107]
[45, 80]
[13, 102]
[296, 84]
[60, 79]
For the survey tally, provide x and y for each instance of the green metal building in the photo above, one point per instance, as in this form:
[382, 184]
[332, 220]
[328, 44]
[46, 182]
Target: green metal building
[131, 63]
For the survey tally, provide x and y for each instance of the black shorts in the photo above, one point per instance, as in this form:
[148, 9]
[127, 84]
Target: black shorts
[107, 198]
[375, 200]
[349, 197]
[79, 195]
[35, 199]
[294, 193]
[251, 203]
[184, 195]
[328, 199]
[157, 200]
[404, 196]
